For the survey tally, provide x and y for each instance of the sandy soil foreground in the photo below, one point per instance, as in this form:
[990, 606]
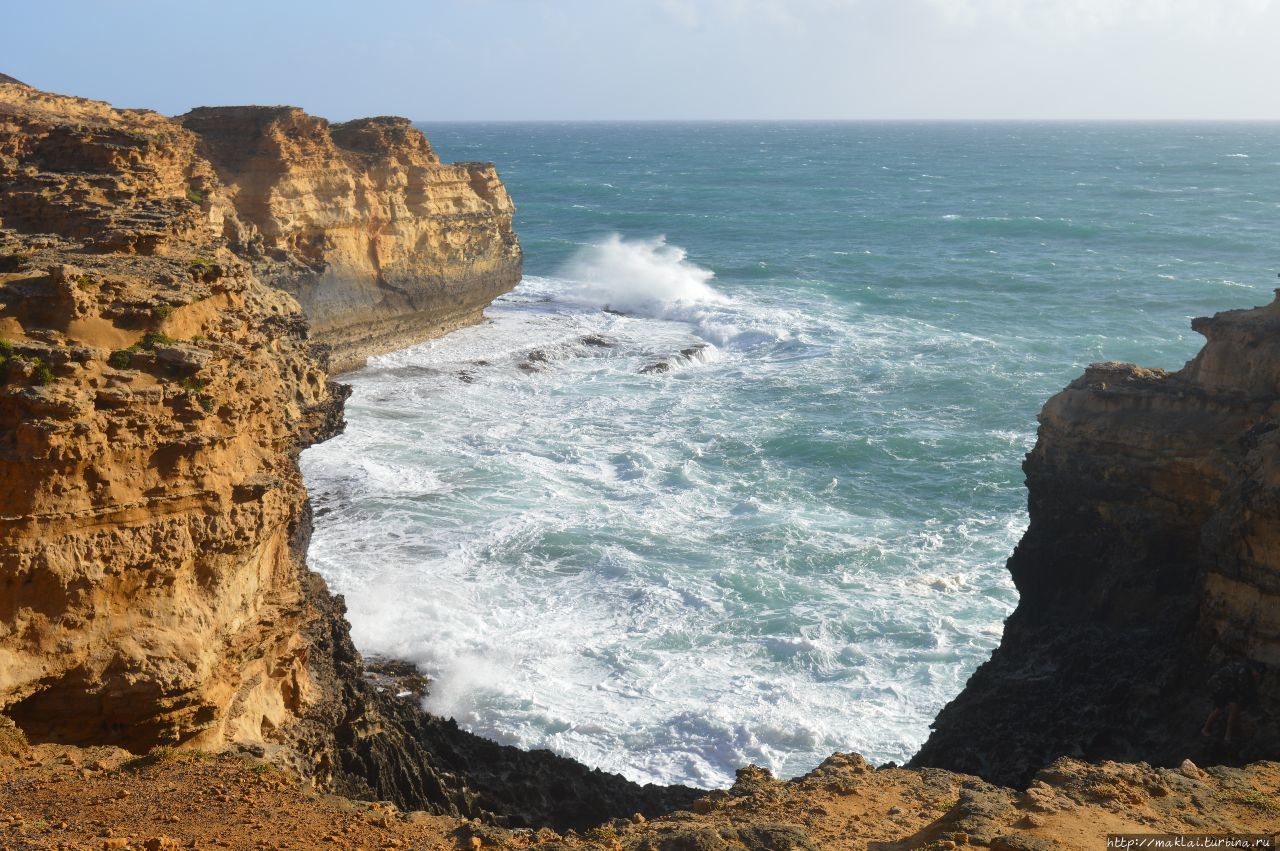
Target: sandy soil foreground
[54, 796]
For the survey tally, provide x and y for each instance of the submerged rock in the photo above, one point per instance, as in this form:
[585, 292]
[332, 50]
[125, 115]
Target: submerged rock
[687, 355]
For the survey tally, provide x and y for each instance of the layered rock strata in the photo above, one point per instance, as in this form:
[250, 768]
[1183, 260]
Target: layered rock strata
[382, 244]
[154, 395]
[1150, 559]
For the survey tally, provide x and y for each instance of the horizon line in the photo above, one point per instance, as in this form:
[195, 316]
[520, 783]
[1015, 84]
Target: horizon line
[844, 120]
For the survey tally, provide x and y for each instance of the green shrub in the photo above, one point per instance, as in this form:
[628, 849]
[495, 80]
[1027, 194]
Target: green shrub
[6, 348]
[194, 385]
[44, 375]
[120, 359]
[161, 313]
[84, 282]
[195, 196]
[1266, 803]
[152, 339]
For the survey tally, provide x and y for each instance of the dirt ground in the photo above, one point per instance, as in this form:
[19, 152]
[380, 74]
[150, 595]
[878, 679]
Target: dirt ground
[59, 797]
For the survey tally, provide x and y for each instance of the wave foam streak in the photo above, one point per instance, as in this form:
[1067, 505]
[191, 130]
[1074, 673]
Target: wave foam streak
[671, 575]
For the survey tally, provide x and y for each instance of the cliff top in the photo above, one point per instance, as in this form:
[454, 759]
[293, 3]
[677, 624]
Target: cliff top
[105, 797]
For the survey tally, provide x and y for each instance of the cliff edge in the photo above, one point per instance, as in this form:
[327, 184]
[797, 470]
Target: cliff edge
[155, 392]
[1149, 561]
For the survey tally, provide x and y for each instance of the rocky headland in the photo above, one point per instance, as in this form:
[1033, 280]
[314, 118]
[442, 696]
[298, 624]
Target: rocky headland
[1150, 560]
[382, 244]
[172, 672]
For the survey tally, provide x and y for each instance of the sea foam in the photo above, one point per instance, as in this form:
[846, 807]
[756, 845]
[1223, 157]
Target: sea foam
[794, 544]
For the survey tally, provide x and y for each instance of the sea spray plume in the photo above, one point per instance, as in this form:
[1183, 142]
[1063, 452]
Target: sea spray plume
[643, 276]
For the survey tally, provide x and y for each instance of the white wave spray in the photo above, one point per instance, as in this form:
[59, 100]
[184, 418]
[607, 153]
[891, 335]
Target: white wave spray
[654, 279]
[642, 276]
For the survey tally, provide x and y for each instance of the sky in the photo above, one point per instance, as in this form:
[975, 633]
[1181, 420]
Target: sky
[438, 60]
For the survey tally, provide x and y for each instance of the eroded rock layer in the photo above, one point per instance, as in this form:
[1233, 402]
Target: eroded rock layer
[154, 395]
[382, 244]
[1151, 558]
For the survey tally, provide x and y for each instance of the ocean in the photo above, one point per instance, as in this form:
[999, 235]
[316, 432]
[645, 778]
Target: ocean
[732, 475]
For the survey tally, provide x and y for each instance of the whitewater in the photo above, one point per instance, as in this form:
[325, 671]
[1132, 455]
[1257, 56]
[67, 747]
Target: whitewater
[731, 476]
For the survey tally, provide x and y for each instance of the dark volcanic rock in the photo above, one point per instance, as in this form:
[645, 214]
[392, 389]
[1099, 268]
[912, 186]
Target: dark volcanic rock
[1151, 557]
[370, 744]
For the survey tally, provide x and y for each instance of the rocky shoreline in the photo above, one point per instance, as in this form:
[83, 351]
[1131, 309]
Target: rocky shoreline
[174, 295]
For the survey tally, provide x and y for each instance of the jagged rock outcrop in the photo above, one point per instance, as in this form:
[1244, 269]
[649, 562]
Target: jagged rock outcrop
[366, 743]
[154, 396]
[381, 243]
[1152, 555]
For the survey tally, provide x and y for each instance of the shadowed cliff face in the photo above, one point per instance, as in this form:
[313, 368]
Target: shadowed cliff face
[1149, 560]
[383, 245]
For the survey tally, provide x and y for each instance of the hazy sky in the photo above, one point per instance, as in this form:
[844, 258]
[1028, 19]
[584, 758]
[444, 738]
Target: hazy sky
[655, 59]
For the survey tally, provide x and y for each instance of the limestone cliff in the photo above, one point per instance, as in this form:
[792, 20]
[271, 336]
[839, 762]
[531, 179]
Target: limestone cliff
[381, 243]
[1151, 557]
[154, 396]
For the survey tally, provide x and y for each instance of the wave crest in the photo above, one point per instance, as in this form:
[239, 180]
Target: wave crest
[642, 276]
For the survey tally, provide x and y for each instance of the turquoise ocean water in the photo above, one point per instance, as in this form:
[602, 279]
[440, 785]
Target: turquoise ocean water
[792, 541]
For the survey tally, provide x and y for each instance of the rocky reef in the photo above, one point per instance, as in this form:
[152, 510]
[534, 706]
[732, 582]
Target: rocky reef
[1151, 558]
[155, 392]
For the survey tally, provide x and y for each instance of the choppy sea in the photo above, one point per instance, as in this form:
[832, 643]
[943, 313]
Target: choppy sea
[790, 539]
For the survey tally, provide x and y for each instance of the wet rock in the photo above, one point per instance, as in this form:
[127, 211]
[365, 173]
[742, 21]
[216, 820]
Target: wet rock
[534, 361]
[397, 676]
[388, 748]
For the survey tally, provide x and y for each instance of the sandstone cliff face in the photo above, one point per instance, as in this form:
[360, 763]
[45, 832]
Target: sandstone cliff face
[154, 396]
[1150, 558]
[382, 244]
